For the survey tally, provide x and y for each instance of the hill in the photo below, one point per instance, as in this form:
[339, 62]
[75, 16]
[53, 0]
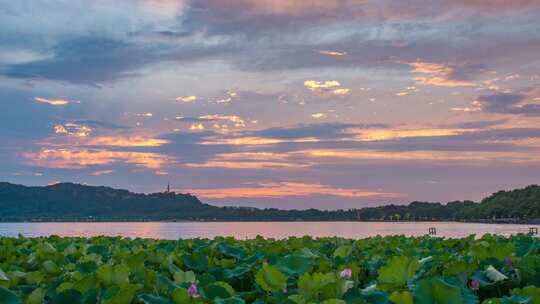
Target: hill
[74, 202]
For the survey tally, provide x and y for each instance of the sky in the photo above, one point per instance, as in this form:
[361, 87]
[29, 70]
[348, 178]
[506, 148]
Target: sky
[291, 104]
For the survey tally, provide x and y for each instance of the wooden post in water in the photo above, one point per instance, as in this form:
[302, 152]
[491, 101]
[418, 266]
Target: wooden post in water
[432, 231]
[533, 230]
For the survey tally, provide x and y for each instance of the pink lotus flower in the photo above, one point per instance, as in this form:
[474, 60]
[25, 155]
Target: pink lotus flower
[192, 291]
[346, 273]
[475, 285]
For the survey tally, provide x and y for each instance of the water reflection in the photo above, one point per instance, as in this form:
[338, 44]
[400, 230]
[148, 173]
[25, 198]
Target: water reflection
[242, 230]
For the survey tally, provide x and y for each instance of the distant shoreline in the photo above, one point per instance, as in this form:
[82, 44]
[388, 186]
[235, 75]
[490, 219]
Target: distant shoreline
[530, 222]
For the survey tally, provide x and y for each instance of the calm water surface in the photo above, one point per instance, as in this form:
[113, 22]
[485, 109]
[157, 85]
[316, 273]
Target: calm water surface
[242, 230]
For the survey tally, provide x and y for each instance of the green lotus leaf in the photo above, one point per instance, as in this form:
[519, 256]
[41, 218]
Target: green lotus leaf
[402, 297]
[152, 299]
[180, 296]
[231, 300]
[50, 267]
[442, 291]
[343, 251]
[36, 296]
[235, 272]
[270, 278]
[530, 292]
[181, 277]
[333, 301]
[113, 275]
[397, 272]
[294, 264]
[121, 295]
[9, 297]
[69, 296]
[231, 251]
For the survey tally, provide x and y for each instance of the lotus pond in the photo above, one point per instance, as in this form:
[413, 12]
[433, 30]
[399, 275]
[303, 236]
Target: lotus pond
[397, 269]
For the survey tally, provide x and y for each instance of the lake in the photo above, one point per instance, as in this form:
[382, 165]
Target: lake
[242, 230]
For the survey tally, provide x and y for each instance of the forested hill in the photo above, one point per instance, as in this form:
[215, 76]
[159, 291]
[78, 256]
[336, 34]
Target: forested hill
[67, 201]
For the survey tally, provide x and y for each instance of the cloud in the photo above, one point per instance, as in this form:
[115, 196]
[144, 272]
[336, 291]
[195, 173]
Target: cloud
[197, 127]
[81, 158]
[100, 124]
[73, 129]
[475, 106]
[148, 114]
[101, 172]
[332, 53]
[318, 115]
[255, 141]
[250, 160]
[235, 119]
[287, 189]
[439, 75]
[328, 87]
[85, 60]
[329, 130]
[126, 141]
[464, 157]
[229, 95]
[480, 124]
[186, 99]
[54, 102]
[98, 59]
[508, 103]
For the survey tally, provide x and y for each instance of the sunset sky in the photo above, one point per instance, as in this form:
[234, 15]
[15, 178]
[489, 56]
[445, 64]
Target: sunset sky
[290, 104]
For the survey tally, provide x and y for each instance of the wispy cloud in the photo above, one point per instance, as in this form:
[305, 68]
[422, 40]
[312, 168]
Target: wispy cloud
[147, 114]
[101, 172]
[54, 102]
[186, 99]
[438, 75]
[126, 141]
[251, 160]
[332, 53]
[81, 158]
[475, 106]
[288, 189]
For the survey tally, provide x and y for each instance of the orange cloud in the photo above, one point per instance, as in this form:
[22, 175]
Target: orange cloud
[254, 141]
[437, 75]
[54, 102]
[388, 134]
[126, 141]
[462, 156]
[250, 160]
[287, 189]
[197, 127]
[443, 82]
[80, 158]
